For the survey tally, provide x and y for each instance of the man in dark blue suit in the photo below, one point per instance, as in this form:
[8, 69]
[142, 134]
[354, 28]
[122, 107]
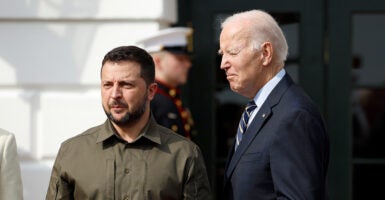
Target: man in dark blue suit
[282, 147]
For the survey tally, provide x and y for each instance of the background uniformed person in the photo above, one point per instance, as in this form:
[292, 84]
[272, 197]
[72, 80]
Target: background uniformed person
[171, 49]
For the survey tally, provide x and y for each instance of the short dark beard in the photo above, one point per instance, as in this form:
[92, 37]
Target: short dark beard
[130, 117]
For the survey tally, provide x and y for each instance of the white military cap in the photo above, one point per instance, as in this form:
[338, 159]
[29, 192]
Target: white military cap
[175, 40]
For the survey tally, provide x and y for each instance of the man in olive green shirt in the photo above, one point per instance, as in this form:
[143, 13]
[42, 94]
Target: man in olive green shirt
[130, 156]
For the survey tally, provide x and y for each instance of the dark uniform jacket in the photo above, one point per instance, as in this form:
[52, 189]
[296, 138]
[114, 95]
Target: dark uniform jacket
[169, 111]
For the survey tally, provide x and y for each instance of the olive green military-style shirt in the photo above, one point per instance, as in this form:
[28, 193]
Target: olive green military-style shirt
[160, 164]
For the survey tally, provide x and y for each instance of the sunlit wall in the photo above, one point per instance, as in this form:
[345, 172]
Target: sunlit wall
[50, 59]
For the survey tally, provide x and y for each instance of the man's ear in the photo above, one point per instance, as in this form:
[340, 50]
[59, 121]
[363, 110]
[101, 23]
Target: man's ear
[267, 53]
[152, 88]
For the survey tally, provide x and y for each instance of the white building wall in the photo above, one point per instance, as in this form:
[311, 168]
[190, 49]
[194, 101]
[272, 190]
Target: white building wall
[50, 59]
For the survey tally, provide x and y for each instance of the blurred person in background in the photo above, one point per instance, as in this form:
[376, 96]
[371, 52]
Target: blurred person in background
[171, 49]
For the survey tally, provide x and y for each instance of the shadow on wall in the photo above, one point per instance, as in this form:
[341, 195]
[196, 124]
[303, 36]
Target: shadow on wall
[42, 43]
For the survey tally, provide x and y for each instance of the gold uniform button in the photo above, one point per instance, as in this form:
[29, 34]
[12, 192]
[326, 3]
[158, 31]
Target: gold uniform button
[184, 114]
[187, 127]
[172, 92]
[178, 102]
[174, 128]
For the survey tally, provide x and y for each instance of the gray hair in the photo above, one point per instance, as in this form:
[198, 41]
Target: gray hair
[262, 28]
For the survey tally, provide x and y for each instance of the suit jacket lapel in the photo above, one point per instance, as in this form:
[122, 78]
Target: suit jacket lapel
[259, 120]
[252, 131]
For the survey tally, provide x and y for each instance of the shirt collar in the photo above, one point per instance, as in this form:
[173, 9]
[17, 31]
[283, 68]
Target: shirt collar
[265, 91]
[149, 131]
[106, 131]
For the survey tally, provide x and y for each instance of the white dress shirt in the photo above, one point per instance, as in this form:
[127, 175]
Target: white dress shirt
[264, 92]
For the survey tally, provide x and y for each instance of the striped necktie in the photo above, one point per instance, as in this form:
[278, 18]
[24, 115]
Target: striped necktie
[243, 123]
